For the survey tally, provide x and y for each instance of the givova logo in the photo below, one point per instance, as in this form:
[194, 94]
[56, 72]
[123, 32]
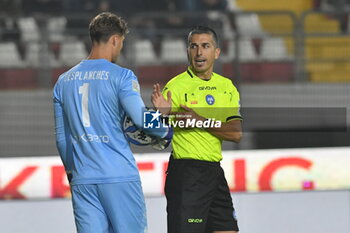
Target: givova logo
[194, 220]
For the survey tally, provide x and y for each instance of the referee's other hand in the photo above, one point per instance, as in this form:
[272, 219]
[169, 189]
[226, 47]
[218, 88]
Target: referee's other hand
[159, 102]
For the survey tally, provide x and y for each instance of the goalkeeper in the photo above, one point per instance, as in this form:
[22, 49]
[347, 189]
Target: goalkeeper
[198, 197]
[90, 102]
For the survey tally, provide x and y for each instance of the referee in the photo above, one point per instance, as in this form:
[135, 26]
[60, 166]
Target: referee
[198, 197]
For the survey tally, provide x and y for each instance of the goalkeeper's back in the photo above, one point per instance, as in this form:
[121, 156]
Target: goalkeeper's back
[89, 116]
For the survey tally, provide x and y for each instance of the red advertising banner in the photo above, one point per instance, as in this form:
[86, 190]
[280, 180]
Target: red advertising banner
[246, 171]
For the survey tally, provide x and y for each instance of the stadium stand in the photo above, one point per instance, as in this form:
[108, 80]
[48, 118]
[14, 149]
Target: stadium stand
[249, 25]
[34, 56]
[29, 29]
[144, 52]
[9, 56]
[228, 51]
[274, 49]
[56, 27]
[173, 50]
[326, 51]
[247, 51]
[328, 59]
[297, 6]
[72, 52]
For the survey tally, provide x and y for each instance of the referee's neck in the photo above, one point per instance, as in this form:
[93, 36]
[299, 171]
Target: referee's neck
[206, 75]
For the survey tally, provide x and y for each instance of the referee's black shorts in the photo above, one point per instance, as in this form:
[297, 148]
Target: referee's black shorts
[198, 198]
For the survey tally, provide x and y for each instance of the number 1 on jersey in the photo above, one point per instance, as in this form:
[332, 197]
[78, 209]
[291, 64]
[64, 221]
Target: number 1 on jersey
[84, 91]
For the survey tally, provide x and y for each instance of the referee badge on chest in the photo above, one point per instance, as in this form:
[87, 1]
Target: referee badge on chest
[210, 99]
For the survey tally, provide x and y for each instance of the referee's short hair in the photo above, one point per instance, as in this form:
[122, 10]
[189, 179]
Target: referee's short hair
[203, 30]
[106, 24]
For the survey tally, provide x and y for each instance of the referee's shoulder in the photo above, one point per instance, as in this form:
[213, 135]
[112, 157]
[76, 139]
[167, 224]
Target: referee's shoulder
[178, 80]
[224, 80]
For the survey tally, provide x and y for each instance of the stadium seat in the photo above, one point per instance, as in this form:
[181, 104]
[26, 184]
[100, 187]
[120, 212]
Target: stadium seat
[249, 25]
[72, 52]
[29, 29]
[33, 56]
[246, 50]
[321, 23]
[228, 54]
[9, 30]
[329, 71]
[225, 23]
[277, 23]
[173, 51]
[273, 48]
[296, 6]
[56, 27]
[9, 56]
[144, 52]
[232, 5]
[328, 47]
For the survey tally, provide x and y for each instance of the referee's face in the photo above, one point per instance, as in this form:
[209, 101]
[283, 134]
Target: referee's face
[202, 53]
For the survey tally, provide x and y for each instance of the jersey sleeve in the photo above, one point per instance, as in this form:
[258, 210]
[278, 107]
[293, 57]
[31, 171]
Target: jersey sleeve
[135, 108]
[130, 98]
[234, 105]
[63, 134]
[128, 85]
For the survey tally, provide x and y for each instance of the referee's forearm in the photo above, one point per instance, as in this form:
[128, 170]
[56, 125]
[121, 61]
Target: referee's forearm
[227, 136]
[229, 131]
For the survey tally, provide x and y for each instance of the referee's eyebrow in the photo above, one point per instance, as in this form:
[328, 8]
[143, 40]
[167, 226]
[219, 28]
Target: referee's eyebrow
[203, 44]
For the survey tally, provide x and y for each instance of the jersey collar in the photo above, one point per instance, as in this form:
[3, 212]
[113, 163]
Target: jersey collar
[192, 75]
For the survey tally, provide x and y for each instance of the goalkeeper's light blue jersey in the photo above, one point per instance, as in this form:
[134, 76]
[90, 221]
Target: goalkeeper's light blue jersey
[90, 102]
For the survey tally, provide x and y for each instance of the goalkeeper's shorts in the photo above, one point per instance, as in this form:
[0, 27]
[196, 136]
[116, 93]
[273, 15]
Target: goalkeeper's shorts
[113, 208]
[198, 198]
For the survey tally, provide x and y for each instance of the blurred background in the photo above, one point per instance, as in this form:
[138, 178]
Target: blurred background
[290, 61]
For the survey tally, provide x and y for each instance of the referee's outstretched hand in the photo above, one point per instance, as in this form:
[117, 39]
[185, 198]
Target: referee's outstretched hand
[159, 102]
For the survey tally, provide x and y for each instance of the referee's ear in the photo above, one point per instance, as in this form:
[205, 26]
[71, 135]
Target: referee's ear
[188, 55]
[217, 53]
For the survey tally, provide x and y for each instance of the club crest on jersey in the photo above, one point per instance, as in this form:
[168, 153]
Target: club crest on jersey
[210, 99]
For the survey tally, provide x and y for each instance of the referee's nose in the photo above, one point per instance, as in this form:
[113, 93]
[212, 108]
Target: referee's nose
[199, 51]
